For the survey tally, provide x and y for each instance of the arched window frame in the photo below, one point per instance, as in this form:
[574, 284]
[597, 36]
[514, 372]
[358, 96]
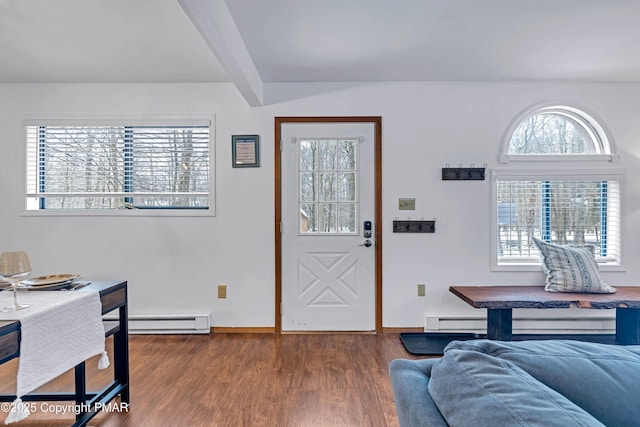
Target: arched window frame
[592, 127]
[561, 167]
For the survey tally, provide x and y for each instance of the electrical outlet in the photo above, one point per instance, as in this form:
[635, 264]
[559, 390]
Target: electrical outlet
[421, 290]
[222, 291]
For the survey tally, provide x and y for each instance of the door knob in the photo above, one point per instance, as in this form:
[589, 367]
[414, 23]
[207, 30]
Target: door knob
[366, 243]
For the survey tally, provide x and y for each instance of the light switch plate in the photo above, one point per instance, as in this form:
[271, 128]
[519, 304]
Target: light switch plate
[421, 290]
[407, 204]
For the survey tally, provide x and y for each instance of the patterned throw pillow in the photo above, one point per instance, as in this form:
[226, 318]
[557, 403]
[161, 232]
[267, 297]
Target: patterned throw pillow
[570, 269]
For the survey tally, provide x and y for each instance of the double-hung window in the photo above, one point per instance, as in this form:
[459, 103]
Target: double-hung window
[567, 194]
[154, 167]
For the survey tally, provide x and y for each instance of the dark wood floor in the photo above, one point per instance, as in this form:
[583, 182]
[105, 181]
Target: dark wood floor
[244, 380]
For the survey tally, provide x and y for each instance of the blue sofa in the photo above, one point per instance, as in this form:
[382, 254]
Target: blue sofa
[525, 383]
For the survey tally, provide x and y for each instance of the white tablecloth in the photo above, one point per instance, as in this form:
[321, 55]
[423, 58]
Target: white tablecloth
[59, 330]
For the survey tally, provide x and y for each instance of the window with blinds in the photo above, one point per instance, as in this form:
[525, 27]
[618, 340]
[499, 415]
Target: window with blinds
[577, 204]
[579, 212]
[118, 167]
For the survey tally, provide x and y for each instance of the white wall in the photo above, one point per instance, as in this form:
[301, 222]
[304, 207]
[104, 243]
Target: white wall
[173, 265]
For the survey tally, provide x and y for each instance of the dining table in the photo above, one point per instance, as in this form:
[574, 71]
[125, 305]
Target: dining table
[113, 299]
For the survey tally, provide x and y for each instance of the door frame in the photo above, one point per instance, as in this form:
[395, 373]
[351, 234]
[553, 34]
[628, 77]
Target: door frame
[377, 122]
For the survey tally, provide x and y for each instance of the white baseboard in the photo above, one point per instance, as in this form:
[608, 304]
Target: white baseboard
[574, 325]
[167, 323]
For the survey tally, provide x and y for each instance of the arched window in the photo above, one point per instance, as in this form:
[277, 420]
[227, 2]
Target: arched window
[557, 133]
[575, 203]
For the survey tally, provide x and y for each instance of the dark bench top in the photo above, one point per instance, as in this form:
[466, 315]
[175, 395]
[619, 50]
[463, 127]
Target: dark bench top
[505, 297]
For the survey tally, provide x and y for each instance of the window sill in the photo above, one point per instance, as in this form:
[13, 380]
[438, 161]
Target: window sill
[537, 267]
[507, 158]
[122, 213]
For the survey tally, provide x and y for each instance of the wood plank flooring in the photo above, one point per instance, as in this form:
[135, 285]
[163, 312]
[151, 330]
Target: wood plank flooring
[242, 380]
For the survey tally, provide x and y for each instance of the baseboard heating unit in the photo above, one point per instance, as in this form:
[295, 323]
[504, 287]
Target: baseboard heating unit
[168, 323]
[545, 325]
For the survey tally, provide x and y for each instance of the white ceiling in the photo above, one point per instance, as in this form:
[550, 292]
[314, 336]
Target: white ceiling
[251, 42]
[102, 41]
[418, 40]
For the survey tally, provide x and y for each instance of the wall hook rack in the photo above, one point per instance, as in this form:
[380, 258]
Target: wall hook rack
[461, 173]
[414, 226]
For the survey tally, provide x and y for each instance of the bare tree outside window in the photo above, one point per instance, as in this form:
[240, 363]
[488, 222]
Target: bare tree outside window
[550, 134]
[112, 167]
[562, 212]
[327, 186]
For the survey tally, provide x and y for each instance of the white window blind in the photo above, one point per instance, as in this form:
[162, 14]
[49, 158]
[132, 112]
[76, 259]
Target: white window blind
[107, 167]
[573, 210]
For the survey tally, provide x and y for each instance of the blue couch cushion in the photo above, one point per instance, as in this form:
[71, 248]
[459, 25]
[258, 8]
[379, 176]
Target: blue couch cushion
[473, 388]
[410, 381]
[553, 382]
[602, 379]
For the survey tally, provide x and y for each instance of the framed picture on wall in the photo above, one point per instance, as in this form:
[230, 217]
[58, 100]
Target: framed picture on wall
[245, 150]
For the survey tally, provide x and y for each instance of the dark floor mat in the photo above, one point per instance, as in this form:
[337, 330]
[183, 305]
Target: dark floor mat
[433, 343]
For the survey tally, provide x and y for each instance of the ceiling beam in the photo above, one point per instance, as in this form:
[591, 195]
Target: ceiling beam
[216, 25]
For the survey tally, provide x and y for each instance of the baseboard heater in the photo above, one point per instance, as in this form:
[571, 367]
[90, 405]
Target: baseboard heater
[574, 325]
[167, 323]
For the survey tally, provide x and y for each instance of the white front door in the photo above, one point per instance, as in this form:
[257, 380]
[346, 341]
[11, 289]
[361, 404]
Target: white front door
[328, 207]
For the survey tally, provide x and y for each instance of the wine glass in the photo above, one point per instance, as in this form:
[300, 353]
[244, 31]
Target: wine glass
[14, 266]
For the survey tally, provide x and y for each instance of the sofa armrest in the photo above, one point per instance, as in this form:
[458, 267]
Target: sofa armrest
[410, 382]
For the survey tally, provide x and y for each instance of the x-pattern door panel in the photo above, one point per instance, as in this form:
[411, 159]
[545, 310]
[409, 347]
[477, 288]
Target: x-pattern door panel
[328, 279]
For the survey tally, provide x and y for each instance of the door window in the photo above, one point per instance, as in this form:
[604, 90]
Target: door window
[327, 186]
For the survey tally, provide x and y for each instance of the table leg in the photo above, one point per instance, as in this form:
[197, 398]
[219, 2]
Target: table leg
[121, 354]
[81, 388]
[499, 324]
[627, 326]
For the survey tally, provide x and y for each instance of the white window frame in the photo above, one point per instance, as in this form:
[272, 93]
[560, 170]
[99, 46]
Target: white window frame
[126, 120]
[558, 167]
[547, 174]
[604, 146]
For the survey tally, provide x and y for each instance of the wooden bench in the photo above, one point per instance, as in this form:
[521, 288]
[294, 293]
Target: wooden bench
[499, 301]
